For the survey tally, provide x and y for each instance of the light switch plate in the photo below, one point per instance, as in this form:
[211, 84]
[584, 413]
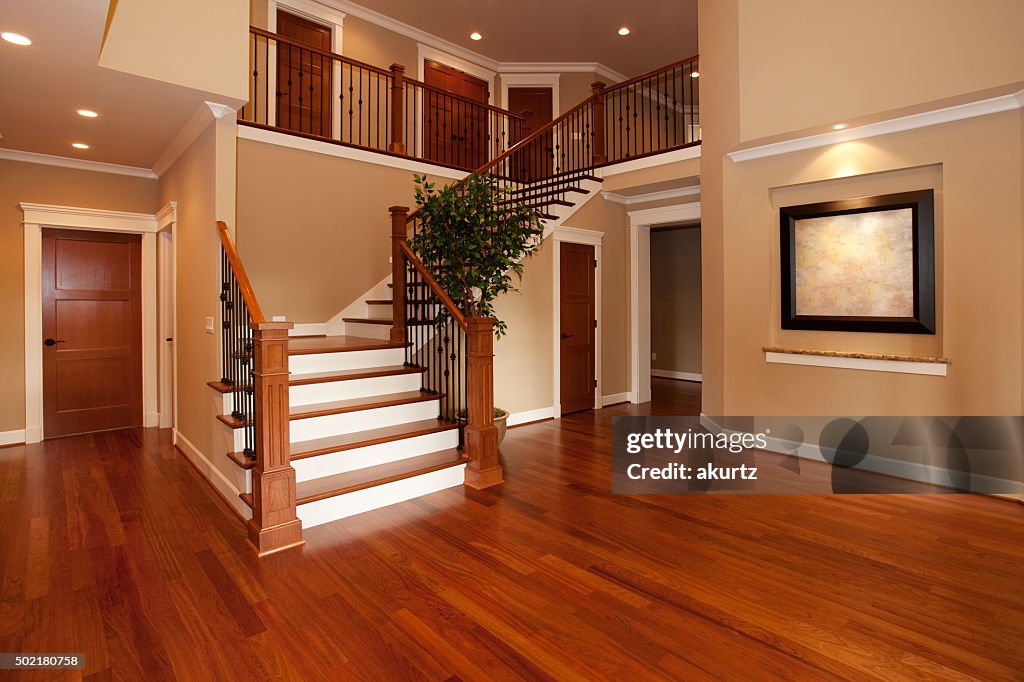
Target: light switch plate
[209, 325]
[277, 318]
[654, 356]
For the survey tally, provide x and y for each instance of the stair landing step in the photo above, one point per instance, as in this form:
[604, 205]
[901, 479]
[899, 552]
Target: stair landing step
[386, 321]
[351, 481]
[357, 404]
[350, 374]
[359, 439]
[338, 344]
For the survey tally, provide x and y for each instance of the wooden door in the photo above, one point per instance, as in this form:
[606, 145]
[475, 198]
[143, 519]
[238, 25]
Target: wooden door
[577, 315]
[454, 130]
[304, 98]
[535, 161]
[92, 326]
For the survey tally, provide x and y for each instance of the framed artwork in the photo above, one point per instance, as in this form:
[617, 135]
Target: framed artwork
[860, 265]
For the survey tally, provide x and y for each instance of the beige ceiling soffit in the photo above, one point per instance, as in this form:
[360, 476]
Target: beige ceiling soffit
[651, 196]
[600, 70]
[985, 107]
[77, 164]
[416, 34]
[652, 161]
[205, 114]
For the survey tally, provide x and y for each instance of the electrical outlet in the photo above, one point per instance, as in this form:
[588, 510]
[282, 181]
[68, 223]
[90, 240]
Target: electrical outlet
[209, 325]
[278, 318]
[654, 356]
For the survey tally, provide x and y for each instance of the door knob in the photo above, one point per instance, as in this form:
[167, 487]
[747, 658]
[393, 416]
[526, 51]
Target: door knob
[53, 342]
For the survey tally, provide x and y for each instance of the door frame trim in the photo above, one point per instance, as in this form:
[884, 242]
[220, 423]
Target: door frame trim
[640, 224]
[38, 216]
[533, 80]
[574, 235]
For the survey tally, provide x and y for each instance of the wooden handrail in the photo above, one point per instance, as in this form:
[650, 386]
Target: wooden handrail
[651, 74]
[376, 69]
[248, 295]
[442, 296]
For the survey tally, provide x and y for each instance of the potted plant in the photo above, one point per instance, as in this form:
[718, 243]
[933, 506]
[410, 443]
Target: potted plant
[474, 236]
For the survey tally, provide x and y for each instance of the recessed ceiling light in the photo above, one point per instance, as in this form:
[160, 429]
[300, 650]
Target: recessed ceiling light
[624, 31]
[87, 113]
[695, 74]
[475, 36]
[839, 126]
[79, 145]
[15, 38]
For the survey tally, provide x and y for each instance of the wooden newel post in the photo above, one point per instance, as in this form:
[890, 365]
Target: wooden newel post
[399, 218]
[397, 143]
[597, 89]
[273, 526]
[481, 435]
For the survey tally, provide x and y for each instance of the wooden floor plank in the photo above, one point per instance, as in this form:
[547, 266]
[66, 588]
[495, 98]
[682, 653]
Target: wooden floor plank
[111, 544]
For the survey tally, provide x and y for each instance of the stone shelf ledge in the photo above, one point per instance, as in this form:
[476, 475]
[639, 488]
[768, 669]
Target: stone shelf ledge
[874, 362]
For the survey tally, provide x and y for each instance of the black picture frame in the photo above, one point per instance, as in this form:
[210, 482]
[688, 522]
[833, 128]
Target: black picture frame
[922, 203]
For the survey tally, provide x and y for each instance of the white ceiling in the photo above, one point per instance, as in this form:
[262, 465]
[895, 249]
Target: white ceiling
[46, 83]
[663, 31]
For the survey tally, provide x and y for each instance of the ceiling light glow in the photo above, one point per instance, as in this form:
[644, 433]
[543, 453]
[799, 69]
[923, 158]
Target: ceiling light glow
[695, 74]
[475, 36]
[624, 31]
[87, 113]
[15, 38]
[839, 126]
[79, 145]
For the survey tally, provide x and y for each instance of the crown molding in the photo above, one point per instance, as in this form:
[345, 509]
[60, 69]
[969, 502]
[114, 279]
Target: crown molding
[87, 218]
[651, 196]
[167, 215]
[985, 107]
[598, 69]
[201, 119]
[77, 164]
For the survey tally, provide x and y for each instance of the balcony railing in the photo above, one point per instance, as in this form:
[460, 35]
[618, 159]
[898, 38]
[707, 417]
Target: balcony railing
[322, 95]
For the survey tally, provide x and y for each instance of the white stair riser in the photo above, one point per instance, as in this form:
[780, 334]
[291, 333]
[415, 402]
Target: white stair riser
[368, 331]
[350, 422]
[353, 388]
[380, 310]
[357, 359]
[342, 506]
[372, 455]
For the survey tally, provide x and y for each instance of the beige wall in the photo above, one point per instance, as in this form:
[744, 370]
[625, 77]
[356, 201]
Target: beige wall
[974, 165]
[201, 181]
[807, 63]
[378, 46]
[33, 183]
[675, 299]
[193, 43]
[314, 231]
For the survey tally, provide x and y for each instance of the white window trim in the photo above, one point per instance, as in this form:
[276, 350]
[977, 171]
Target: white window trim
[640, 224]
[574, 235]
[533, 80]
[38, 216]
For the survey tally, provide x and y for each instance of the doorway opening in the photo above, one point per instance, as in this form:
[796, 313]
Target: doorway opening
[536, 106]
[676, 303]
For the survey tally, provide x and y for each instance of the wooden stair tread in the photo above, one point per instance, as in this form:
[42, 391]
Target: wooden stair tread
[247, 498]
[379, 301]
[358, 404]
[557, 182]
[349, 374]
[338, 344]
[241, 460]
[232, 421]
[527, 194]
[351, 481]
[359, 439]
[370, 320]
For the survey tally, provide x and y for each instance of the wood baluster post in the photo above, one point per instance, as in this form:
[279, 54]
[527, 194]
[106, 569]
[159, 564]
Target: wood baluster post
[274, 525]
[397, 144]
[597, 89]
[481, 435]
[399, 218]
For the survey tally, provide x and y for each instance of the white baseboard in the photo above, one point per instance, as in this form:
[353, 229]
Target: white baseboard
[12, 437]
[528, 416]
[910, 471]
[220, 482]
[615, 398]
[683, 376]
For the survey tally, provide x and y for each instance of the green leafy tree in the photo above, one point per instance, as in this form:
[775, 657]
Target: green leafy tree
[473, 237]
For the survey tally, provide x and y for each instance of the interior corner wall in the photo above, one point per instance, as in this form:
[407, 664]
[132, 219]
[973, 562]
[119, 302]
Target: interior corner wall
[35, 183]
[192, 181]
[675, 299]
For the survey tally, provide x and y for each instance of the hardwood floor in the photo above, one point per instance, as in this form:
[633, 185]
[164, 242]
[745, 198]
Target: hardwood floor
[112, 545]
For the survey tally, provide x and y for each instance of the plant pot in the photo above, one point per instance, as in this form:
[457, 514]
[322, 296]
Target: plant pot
[500, 421]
